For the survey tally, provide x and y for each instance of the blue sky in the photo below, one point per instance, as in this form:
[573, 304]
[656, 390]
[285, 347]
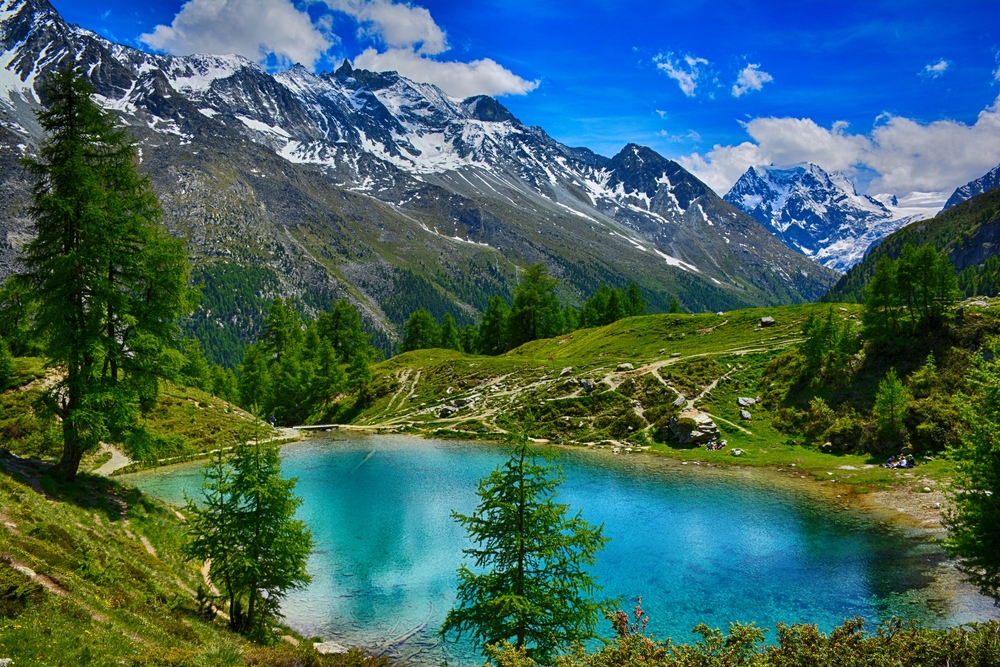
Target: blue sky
[900, 95]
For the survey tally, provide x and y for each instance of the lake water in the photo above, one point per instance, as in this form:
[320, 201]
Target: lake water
[699, 546]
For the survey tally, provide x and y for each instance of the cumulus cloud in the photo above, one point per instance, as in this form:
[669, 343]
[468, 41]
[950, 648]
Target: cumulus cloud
[412, 38]
[934, 70]
[751, 78]
[396, 25]
[479, 77]
[251, 28]
[685, 71]
[906, 155]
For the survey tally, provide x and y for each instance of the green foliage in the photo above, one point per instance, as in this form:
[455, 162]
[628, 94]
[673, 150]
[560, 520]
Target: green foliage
[297, 370]
[421, 332]
[231, 296]
[829, 345]
[610, 304]
[492, 337]
[535, 313]
[675, 305]
[7, 376]
[17, 311]
[892, 401]
[109, 282]
[974, 524]
[533, 587]
[450, 334]
[958, 232]
[908, 295]
[246, 526]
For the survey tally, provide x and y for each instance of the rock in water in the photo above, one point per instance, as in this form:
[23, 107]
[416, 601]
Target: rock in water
[326, 648]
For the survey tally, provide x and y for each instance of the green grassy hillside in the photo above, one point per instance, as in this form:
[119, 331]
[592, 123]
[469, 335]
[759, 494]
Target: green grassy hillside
[91, 573]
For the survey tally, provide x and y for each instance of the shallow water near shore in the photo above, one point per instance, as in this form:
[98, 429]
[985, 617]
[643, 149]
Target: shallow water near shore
[699, 547]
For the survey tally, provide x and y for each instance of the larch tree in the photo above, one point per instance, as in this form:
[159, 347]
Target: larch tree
[246, 526]
[974, 521]
[108, 281]
[531, 583]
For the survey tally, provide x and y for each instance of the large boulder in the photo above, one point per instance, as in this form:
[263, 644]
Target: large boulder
[693, 426]
[622, 368]
[745, 402]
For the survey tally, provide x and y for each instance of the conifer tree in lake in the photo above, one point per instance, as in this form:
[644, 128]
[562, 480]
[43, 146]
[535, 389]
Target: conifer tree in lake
[530, 582]
[108, 281]
[246, 526]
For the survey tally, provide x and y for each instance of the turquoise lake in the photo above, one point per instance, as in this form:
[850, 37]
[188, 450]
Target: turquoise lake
[700, 546]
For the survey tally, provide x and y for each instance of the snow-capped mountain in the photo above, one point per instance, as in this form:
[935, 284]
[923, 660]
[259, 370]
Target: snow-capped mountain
[987, 181]
[386, 191]
[818, 214]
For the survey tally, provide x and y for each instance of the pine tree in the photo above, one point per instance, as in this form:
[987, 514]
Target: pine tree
[492, 337]
[420, 332]
[108, 281]
[535, 313]
[974, 523]
[636, 302]
[246, 526]
[675, 305]
[892, 401]
[450, 334]
[534, 587]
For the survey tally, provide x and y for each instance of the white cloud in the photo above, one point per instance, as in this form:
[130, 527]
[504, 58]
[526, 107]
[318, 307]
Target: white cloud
[935, 70]
[251, 28]
[685, 71]
[412, 36]
[751, 78]
[396, 25]
[690, 135]
[906, 155]
[479, 77]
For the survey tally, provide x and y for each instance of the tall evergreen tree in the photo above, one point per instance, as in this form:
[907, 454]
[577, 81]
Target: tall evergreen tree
[636, 302]
[246, 527]
[535, 313]
[420, 332]
[108, 281]
[492, 337]
[342, 327]
[534, 587]
[451, 336]
[892, 401]
[974, 523]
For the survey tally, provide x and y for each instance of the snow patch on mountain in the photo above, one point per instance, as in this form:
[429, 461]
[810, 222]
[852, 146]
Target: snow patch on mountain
[822, 215]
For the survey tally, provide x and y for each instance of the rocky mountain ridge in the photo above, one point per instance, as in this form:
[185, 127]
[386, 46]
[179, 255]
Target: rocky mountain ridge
[818, 214]
[375, 188]
[987, 181]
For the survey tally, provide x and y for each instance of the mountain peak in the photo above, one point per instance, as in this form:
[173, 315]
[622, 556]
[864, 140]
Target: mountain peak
[345, 70]
[817, 213]
[484, 107]
[987, 181]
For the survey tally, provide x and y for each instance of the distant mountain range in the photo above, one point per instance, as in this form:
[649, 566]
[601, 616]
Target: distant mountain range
[982, 184]
[822, 215]
[381, 190]
[969, 232]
